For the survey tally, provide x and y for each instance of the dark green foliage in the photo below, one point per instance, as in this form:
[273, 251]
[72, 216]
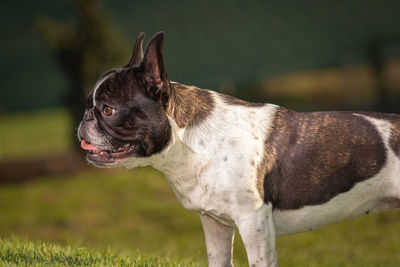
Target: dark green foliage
[209, 43]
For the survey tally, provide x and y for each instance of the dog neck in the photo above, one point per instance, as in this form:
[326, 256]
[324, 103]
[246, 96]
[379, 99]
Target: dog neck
[172, 158]
[188, 105]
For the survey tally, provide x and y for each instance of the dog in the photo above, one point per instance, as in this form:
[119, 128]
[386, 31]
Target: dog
[264, 169]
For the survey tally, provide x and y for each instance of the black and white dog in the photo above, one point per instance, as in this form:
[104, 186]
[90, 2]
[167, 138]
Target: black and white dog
[262, 168]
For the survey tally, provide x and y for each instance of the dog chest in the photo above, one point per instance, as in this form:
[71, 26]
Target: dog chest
[206, 187]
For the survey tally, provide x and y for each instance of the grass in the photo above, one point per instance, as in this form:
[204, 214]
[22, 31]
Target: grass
[372, 240]
[136, 210]
[16, 252]
[124, 210]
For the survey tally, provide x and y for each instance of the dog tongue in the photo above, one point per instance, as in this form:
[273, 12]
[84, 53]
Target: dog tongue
[85, 145]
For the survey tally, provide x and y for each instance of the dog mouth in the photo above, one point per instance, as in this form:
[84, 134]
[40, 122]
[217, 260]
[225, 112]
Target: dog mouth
[104, 156]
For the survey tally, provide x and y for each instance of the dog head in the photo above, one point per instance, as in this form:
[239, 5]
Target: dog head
[125, 115]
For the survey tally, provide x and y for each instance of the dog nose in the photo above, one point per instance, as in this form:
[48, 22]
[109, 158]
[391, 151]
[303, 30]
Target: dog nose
[89, 115]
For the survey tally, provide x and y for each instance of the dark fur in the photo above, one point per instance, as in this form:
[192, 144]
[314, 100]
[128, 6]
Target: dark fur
[312, 157]
[142, 97]
[139, 94]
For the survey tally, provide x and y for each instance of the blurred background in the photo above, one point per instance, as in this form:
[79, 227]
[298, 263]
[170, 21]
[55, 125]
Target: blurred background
[305, 55]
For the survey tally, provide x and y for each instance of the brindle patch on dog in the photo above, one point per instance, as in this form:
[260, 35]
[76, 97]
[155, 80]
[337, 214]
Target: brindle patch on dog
[311, 157]
[189, 105]
[112, 86]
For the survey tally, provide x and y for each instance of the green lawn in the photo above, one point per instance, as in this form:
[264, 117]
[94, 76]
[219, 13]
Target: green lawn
[123, 210]
[15, 252]
[136, 210]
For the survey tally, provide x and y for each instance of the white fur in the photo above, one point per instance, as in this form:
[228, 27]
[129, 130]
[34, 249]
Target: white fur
[209, 166]
[210, 170]
[219, 238]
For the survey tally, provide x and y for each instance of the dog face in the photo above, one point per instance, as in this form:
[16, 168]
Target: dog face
[125, 114]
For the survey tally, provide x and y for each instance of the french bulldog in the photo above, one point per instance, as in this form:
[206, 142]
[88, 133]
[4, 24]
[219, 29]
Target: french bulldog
[264, 169]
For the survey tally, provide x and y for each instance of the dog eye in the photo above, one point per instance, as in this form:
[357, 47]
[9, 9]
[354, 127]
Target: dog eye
[108, 111]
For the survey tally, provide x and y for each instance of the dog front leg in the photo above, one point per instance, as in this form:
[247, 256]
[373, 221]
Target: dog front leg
[258, 234]
[219, 241]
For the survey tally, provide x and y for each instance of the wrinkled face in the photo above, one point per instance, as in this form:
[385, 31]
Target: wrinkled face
[125, 115]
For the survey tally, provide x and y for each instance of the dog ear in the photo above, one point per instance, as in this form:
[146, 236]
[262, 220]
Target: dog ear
[137, 54]
[157, 80]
